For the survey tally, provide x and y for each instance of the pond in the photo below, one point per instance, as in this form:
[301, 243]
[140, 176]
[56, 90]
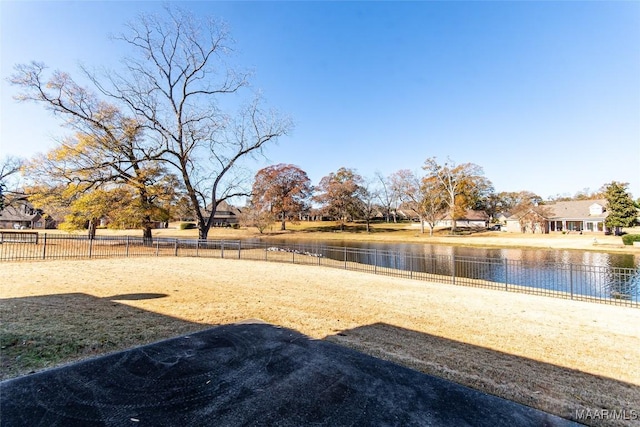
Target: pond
[529, 256]
[595, 274]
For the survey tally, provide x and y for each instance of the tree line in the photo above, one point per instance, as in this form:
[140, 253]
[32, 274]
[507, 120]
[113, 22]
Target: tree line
[167, 135]
[441, 191]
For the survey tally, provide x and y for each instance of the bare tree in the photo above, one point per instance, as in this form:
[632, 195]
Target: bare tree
[434, 204]
[174, 84]
[368, 194]
[9, 167]
[422, 194]
[408, 185]
[253, 216]
[388, 196]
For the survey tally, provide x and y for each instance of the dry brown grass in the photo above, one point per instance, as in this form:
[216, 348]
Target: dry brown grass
[556, 355]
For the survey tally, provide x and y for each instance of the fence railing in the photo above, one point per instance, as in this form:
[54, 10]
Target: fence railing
[604, 284]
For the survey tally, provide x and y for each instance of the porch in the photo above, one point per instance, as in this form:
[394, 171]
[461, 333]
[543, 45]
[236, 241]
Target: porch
[578, 225]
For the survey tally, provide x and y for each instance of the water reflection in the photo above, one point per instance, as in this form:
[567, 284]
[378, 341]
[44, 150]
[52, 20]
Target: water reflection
[533, 256]
[595, 274]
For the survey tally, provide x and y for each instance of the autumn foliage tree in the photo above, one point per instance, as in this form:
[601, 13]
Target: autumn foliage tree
[462, 184]
[339, 194]
[282, 189]
[108, 150]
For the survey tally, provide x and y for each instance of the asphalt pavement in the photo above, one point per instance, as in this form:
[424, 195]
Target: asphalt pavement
[250, 375]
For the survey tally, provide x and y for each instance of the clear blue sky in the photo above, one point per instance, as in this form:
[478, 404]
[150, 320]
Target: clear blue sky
[545, 96]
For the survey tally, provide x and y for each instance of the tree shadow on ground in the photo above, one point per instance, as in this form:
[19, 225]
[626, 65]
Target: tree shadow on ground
[561, 391]
[43, 331]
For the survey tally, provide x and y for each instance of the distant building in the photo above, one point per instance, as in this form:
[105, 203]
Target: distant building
[225, 216]
[569, 216]
[22, 215]
[471, 219]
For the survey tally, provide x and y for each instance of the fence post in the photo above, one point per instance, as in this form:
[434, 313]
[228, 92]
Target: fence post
[375, 261]
[345, 257]
[239, 247]
[506, 275]
[198, 247]
[222, 249]
[157, 247]
[126, 250]
[453, 269]
[90, 246]
[44, 247]
[176, 247]
[410, 266]
[571, 279]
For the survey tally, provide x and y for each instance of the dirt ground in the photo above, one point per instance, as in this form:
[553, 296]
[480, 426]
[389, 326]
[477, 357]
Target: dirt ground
[557, 355]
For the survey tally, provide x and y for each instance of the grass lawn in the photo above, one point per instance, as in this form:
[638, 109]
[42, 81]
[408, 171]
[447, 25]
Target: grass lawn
[556, 355]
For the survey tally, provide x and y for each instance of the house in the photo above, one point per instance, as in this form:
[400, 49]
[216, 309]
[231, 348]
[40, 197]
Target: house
[225, 216]
[501, 218]
[471, 219]
[21, 215]
[534, 220]
[568, 216]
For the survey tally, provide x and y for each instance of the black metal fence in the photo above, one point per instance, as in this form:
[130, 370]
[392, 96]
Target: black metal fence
[602, 284]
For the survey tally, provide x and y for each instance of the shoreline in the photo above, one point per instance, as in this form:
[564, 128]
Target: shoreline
[397, 234]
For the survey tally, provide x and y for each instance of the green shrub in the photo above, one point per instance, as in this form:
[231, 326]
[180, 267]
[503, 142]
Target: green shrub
[187, 226]
[628, 239]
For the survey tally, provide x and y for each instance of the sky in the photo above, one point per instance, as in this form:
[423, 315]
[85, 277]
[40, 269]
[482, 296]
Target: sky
[543, 95]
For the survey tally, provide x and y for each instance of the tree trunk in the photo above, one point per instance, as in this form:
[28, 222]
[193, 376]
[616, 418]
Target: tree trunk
[203, 230]
[147, 236]
[92, 229]
[283, 226]
[422, 225]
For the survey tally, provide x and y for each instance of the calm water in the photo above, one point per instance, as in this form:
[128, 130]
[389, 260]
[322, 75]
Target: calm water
[595, 274]
[528, 256]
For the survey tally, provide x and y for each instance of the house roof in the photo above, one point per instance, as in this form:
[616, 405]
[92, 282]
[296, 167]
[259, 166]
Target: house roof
[576, 209]
[569, 210]
[471, 215]
[19, 213]
[224, 210]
